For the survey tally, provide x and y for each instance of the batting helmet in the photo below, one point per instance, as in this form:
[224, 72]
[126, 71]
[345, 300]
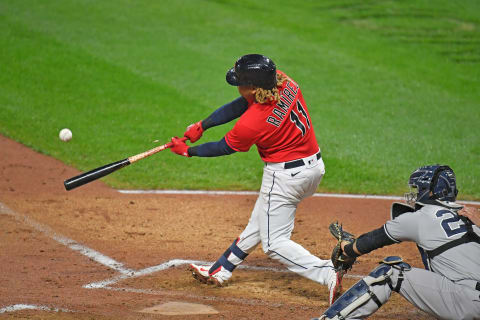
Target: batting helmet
[435, 184]
[253, 70]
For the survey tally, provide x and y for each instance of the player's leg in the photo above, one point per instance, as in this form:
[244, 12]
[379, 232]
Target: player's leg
[426, 290]
[278, 226]
[284, 190]
[441, 297]
[221, 271]
[369, 294]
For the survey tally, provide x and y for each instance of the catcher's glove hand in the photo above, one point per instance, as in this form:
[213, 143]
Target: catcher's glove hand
[339, 259]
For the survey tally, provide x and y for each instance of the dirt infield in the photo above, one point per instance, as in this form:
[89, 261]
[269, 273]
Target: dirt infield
[93, 253]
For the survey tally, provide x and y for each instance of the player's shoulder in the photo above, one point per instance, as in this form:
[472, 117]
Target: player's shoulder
[252, 119]
[429, 215]
[433, 210]
[403, 218]
[410, 219]
[289, 79]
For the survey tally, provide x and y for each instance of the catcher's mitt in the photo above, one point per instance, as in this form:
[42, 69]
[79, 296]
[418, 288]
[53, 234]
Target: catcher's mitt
[339, 259]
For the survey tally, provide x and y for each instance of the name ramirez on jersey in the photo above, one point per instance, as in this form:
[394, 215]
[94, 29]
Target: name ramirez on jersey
[287, 97]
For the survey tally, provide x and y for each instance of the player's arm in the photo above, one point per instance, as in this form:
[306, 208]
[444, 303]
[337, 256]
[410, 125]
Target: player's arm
[402, 228]
[224, 114]
[368, 242]
[240, 138]
[211, 149]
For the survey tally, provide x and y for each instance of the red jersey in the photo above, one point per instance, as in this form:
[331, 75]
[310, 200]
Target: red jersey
[282, 130]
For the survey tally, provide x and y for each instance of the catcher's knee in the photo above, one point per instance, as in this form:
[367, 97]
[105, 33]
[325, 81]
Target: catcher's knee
[361, 292]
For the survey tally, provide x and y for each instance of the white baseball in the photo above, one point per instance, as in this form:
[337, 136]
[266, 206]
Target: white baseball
[65, 134]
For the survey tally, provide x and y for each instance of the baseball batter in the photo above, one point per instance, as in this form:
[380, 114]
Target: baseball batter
[273, 116]
[448, 241]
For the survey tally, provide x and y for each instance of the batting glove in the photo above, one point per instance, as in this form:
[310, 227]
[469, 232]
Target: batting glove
[194, 131]
[179, 147]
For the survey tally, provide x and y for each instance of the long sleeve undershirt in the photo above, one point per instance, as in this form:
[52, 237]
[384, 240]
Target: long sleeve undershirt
[369, 241]
[211, 149]
[224, 114]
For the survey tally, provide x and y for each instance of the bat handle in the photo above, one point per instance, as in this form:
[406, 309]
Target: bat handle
[148, 153]
[170, 144]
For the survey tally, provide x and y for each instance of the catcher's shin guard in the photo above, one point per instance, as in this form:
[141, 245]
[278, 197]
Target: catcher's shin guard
[361, 292]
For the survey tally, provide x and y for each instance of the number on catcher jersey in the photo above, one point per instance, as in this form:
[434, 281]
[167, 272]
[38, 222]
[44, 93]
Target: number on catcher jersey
[451, 223]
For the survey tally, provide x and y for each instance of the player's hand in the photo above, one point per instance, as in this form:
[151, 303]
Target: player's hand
[179, 146]
[471, 213]
[194, 131]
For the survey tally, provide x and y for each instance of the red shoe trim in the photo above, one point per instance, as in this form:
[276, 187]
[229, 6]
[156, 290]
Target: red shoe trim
[215, 271]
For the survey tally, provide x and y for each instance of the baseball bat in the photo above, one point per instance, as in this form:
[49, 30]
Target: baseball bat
[102, 171]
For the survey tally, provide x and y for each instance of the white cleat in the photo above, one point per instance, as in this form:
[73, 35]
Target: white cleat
[218, 278]
[200, 272]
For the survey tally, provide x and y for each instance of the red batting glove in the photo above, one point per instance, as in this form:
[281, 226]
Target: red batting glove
[179, 147]
[194, 131]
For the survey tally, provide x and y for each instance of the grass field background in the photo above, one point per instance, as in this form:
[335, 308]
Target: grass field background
[390, 85]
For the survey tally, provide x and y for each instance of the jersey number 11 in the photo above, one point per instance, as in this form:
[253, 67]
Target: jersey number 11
[295, 118]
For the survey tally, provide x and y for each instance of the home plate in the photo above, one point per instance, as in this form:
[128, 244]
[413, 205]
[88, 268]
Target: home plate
[180, 308]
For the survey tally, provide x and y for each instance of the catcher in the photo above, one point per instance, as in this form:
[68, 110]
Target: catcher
[449, 242]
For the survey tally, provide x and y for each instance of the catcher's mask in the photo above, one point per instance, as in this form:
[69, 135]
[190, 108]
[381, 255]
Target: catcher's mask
[253, 70]
[434, 184]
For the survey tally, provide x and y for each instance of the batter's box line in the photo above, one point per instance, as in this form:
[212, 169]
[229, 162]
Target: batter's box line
[69, 243]
[177, 262]
[105, 284]
[166, 265]
[21, 306]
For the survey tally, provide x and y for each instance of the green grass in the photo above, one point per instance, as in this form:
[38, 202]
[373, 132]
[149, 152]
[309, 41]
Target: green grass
[390, 85]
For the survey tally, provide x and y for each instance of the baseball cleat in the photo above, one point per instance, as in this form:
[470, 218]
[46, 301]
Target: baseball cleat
[220, 276]
[201, 273]
[335, 286]
[219, 282]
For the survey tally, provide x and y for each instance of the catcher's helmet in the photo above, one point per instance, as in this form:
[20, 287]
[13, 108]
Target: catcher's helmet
[253, 70]
[435, 184]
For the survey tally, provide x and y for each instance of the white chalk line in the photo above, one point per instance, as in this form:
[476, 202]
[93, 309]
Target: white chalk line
[164, 266]
[125, 273]
[255, 193]
[90, 253]
[140, 273]
[176, 263]
[20, 307]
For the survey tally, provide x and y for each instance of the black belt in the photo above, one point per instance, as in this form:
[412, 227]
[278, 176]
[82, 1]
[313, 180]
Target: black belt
[298, 163]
